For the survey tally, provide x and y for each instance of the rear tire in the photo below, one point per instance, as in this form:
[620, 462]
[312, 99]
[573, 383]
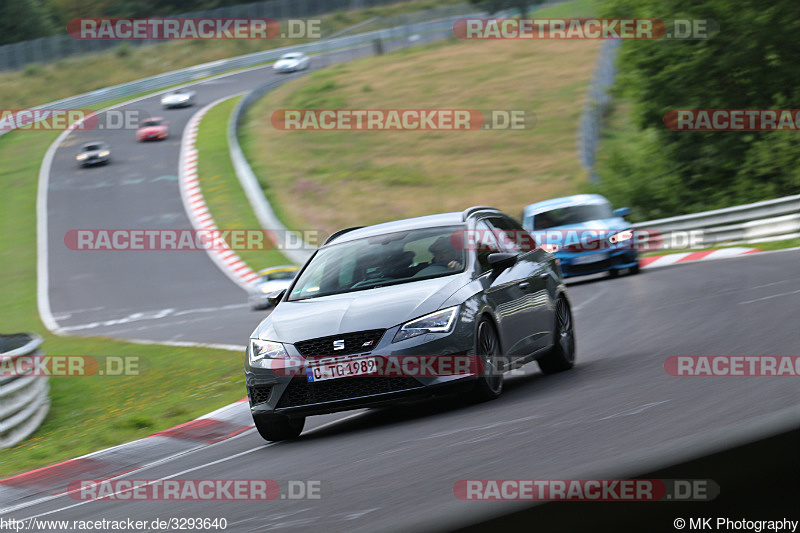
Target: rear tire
[490, 382]
[276, 428]
[633, 270]
[562, 355]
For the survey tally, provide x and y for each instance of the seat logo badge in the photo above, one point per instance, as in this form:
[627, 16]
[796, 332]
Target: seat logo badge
[338, 344]
[368, 343]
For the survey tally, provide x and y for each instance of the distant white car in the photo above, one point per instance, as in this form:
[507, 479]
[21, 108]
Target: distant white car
[178, 98]
[270, 280]
[292, 62]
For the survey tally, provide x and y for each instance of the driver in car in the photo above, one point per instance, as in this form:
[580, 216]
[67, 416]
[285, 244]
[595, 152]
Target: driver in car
[444, 254]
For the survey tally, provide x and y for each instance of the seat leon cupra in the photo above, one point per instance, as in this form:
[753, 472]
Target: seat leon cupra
[405, 310]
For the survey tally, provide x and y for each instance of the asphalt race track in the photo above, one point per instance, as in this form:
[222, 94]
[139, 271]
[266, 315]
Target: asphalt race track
[617, 414]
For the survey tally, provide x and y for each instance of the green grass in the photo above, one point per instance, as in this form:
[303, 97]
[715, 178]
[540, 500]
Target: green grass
[332, 179]
[91, 413]
[222, 191]
[574, 9]
[763, 246]
[39, 84]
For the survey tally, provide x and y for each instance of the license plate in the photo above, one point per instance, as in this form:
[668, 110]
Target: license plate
[589, 258]
[342, 369]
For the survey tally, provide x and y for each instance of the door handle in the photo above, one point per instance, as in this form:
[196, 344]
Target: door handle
[524, 285]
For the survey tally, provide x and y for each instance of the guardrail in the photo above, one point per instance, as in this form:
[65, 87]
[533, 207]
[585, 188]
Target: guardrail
[56, 47]
[24, 400]
[770, 220]
[197, 72]
[597, 102]
[410, 35]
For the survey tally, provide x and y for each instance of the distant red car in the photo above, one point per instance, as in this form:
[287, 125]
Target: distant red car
[153, 129]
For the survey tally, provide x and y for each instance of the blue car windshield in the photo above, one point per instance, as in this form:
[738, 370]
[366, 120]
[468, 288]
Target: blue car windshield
[575, 214]
[382, 260]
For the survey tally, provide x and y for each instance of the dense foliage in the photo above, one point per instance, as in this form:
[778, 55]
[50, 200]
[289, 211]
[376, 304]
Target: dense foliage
[750, 64]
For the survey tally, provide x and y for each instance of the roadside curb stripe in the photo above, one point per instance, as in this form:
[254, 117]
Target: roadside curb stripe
[689, 257]
[194, 202]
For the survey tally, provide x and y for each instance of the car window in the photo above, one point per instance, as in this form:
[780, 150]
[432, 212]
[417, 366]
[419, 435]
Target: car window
[389, 259]
[486, 244]
[510, 235]
[574, 214]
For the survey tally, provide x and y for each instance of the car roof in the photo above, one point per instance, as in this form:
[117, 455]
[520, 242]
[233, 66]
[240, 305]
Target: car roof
[456, 218]
[565, 201]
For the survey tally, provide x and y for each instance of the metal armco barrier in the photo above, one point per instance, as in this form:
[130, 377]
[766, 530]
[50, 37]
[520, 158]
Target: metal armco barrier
[221, 66]
[769, 220]
[24, 400]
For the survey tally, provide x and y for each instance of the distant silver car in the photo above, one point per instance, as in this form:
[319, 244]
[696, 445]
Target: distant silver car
[93, 153]
[270, 280]
[292, 62]
[178, 98]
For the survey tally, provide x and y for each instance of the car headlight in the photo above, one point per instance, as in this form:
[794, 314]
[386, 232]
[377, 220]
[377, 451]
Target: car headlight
[264, 350]
[622, 236]
[438, 322]
[81, 157]
[103, 153]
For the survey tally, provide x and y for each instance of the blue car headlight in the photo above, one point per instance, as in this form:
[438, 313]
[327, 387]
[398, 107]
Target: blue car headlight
[620, 237]
[439, 322]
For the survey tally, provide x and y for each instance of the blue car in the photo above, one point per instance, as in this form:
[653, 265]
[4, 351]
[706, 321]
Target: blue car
[586, 235]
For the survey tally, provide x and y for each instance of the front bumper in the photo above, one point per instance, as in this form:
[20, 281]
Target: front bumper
[584, 263]
[93, 161]
[292, 394]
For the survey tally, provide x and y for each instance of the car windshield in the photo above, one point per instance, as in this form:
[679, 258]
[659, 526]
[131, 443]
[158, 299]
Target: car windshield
[290, 56]
[379, 261]
[152, 122]
[92, 147]
[571, 215]
[272, 276]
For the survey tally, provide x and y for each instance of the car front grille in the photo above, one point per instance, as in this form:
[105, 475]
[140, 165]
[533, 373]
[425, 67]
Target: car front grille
[259, 394]
[358, 342]
[589, 267]
[301, 392]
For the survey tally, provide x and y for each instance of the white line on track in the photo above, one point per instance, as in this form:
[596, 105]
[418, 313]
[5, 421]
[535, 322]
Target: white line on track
[137, 471]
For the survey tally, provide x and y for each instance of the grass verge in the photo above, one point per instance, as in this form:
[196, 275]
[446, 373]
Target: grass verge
[222, 191]
[332, 179]
[39, 84]
[92, 413]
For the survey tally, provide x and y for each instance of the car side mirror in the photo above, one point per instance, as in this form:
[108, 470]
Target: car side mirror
[622, 212]
[500, 261]
[275, 297]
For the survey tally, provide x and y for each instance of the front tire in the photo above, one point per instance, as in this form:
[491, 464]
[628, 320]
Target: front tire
[490, 382]
[562, 355]
[275, 428]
